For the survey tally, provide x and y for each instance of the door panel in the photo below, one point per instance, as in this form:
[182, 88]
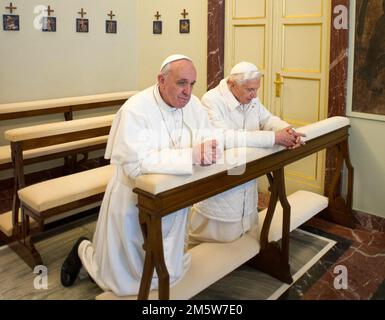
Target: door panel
[247, 50]
[300, 94]
[249, 9]
[302, 8]
[301, 30]
[247, 37]
[302, 48]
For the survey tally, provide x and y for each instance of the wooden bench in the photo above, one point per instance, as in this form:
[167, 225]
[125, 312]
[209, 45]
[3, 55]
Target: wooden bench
[67, 106]
[54, 197]
[160, 195]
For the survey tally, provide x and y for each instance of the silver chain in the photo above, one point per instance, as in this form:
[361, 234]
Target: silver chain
[175, 144]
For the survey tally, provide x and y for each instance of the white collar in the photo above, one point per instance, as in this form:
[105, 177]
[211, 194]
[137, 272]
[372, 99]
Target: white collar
[231, 101]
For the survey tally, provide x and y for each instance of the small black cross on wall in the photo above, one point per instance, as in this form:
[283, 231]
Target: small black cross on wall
[111, 15]
[184, 14]
[82, 12]
[49, 10]
[11, 7]
[157, 16]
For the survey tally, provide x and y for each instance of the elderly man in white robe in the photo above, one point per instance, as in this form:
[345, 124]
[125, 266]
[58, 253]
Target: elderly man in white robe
[165, 130]
[233, 106]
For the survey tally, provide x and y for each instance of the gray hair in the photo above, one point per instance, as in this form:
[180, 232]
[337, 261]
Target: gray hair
[165, 69]
[243, 77]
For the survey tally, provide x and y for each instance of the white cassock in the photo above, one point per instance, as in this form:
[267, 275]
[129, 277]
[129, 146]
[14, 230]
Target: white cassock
[140, 143]
[227, 216]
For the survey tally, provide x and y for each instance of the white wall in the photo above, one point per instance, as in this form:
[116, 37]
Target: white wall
[41, 65]
[38, 65]
[367, 147]
[367, 152]
[153, 48]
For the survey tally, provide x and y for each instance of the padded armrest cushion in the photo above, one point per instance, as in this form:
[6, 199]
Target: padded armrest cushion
[157, 183]
[63, 102]
[5, 151]
[55, 128]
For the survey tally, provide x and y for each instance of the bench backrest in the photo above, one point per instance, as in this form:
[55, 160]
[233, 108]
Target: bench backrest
[62, 105]
[58, 133]
[12, 111]
[64, 136]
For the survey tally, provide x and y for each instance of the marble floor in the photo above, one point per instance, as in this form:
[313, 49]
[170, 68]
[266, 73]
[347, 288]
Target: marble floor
[359, 251]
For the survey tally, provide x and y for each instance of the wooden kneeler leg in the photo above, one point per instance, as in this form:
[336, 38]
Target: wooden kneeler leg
[273, 259]
[24, 247]
[148, 268]
[70, 164]
[16, 224]
[153, 245]
[339, 209]
[160, 264]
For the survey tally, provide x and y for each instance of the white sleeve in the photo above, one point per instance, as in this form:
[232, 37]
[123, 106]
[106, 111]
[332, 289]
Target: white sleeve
[134, 148]
[168, 161]
[268, 121]
[235, 138]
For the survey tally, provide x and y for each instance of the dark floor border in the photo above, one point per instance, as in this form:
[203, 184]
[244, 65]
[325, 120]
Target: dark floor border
[300, 287]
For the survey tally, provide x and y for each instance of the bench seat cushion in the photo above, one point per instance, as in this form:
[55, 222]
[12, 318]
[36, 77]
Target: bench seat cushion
[6, 226]
[55, 128]
[212, 261]
[209, 263]
[5, 154]
[56, 192]
[304, 205]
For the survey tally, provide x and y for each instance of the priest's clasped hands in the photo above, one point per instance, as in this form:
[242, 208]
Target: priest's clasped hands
[207, 153]
[289, 138]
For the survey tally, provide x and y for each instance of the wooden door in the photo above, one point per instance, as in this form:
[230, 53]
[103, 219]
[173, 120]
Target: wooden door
[289, 41]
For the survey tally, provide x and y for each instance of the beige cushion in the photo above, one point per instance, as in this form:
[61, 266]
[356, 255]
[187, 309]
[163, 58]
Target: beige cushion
[33, 153]
[6, 226]
[209, 263]
[304, 205]
[56, 192]
[5, 154]
[50, 129]
[322, 127]
[63, 102]
[5, 151]
[6, 218]
[157, 183]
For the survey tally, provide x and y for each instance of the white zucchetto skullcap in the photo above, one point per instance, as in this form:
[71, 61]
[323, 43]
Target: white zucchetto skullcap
[243, 67]
[173, 58]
